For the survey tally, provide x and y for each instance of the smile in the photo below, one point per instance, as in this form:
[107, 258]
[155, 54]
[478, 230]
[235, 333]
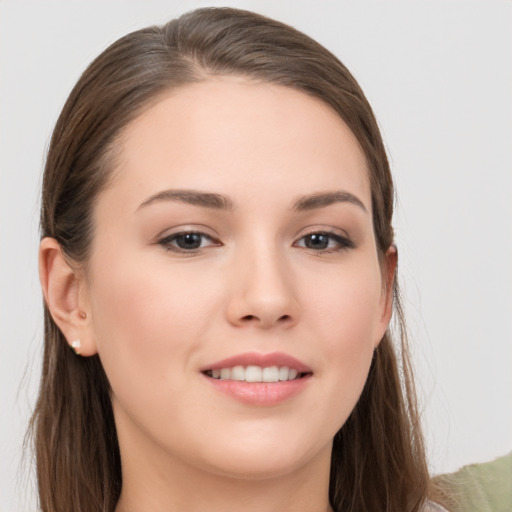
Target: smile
[259, 379]
[255, 373]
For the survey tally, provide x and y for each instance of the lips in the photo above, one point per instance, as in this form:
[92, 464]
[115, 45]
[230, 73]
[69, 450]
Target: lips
[259, 379]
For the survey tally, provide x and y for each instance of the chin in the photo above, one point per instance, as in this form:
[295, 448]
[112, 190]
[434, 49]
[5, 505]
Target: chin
[258, 468]
[255, 460]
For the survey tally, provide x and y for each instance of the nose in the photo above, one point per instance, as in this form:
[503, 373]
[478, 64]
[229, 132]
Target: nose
[262, 291]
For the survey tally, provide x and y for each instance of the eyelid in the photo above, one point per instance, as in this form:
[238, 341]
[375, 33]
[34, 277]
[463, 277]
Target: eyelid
[328, 231]
[344, 240]
[165, 240]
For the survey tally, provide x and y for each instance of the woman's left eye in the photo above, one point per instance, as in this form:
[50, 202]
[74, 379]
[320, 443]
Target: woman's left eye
[186, 241]
[322, 241]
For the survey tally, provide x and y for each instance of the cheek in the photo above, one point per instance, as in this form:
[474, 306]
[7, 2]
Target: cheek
[147, 322]
[347, 308]
[347, 326]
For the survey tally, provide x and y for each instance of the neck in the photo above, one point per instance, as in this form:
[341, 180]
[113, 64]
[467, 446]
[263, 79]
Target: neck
[152, 483]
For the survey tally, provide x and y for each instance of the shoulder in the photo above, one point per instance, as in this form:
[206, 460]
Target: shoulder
[482, 486]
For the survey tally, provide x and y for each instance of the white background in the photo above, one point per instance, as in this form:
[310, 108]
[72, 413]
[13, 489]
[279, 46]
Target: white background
[439, 76]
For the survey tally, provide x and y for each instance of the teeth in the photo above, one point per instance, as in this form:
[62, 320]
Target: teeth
[271, 374]
[237, 373]
[284, 373]
[254, 373]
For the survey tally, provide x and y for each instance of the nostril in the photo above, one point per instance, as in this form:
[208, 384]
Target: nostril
[267, 322]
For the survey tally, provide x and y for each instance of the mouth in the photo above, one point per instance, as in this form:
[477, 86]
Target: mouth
[254, 373]
[259, 379]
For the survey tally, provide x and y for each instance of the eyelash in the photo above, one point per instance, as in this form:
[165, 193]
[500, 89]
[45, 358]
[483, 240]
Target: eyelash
[343, 242]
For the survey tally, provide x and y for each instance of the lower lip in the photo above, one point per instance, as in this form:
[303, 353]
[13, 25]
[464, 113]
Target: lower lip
[260, 393]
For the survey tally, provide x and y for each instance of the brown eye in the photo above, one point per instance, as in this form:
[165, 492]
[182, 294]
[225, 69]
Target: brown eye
[326, 242]
[189, 241]
[317, 241]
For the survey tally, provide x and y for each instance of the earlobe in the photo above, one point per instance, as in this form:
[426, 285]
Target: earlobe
[388, 281]
[63, 294]
[391, 264]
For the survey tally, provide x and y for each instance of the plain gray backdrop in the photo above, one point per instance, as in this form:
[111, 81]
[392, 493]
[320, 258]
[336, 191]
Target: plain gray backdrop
[439, 76]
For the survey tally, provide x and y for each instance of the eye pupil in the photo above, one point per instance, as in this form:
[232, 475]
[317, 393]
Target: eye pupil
[317, 241]
[189, 241]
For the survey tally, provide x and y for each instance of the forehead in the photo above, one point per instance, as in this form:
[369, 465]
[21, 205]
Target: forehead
[232, 135]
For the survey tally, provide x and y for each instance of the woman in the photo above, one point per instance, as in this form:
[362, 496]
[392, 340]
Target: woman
[218, 269]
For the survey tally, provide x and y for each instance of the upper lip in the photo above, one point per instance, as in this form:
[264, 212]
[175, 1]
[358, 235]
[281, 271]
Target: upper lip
[257, 359]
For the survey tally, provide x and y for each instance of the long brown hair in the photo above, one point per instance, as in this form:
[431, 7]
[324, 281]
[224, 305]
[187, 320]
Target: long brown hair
[378, 460]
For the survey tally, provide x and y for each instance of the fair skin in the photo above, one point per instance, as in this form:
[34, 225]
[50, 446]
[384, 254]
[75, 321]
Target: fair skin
[160, 311]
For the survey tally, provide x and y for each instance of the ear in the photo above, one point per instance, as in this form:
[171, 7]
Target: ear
[389, 265]
[66, 298]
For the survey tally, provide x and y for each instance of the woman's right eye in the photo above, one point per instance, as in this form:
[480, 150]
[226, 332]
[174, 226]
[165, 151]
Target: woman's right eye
[187, 241]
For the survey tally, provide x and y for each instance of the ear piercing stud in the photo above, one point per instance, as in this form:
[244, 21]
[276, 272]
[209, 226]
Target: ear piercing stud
[76, 345]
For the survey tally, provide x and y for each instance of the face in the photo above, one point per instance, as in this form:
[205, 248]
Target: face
[235, 245]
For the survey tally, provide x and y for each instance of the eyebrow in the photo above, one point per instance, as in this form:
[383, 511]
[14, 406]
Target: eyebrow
[224, 203]
[323, 199]
[195, 197]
